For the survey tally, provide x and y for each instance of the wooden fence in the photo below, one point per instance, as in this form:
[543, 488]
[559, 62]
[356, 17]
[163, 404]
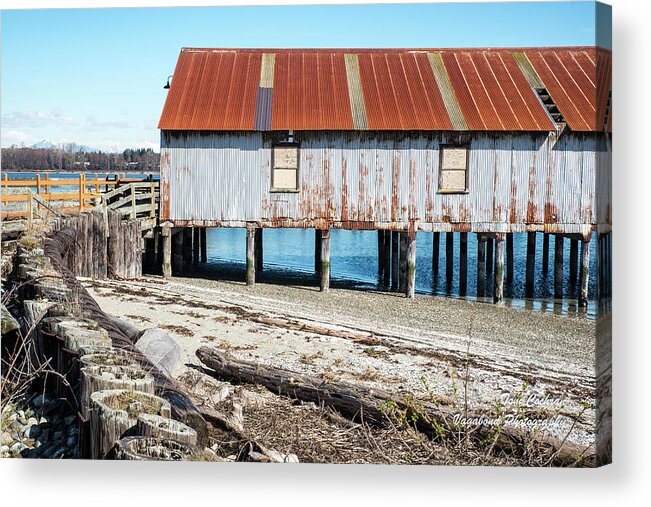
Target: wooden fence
[75, 195]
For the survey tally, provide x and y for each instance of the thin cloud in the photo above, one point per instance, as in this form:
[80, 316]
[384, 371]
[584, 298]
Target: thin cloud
[33, 118]
[95, 124]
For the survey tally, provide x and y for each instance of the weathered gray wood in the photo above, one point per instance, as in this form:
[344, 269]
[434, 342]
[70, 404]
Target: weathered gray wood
[204, 244]
[531, 264]
[177, 253]
[144, 448]
[481, 265]
[150, 425]
[166, 236]
[490, 248]
[558, 266]
[325, 261]
[115, 246]
[318, 235]
[404, 248]
[259, 255]
[250, 256]
[463, 263]
[411, 265]
[449, 256]
[395, 259]
[352, 400]
[498, 293]
[584, 273]
[574, 257]
[187, 249]
[115, 412]
[107, 357]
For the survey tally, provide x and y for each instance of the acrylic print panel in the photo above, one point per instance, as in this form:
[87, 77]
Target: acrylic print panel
[255, 250]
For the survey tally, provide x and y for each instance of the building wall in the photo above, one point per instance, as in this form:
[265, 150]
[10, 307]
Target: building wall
[517, 182]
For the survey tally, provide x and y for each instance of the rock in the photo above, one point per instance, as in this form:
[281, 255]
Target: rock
[32, 421]
[35, 432]
[58, 453]
[4, 449]
[39, 401]
[17, 448]
[157, 346]
[58, 435]
[9, 324]
[71, 442]
[6, 438]
[70, 419]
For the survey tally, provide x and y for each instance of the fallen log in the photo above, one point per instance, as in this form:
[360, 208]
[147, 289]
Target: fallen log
[359, 402]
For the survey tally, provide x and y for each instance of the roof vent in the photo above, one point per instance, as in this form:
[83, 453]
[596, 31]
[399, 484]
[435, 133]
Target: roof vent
[552, 108]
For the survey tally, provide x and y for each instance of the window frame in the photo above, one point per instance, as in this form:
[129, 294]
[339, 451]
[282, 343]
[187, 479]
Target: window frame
[442, 148]
[285, 144]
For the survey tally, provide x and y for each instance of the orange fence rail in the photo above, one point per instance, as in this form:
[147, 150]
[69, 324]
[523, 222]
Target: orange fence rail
[78, 195]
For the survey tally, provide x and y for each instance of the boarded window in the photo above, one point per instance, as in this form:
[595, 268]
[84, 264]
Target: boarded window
[284, 175]
[454, 169]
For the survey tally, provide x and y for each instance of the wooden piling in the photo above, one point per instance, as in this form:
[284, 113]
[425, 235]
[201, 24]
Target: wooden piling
[395, 259]
[325, 260]
[609, 264]
[558, 266]
[574, 257]
[196, 246]
[318, 238]
[150, 254]
[250, 256]
[411, 264]
[386, 270]
[449, 256]
[584, 273]
[545, 253]
[498, 292]
[404, 248]
[259, 256]
[204, 244]
[187, 249]
[531, 263]
[481, 265]
[509, 257]
[115, 248]
[490, 243]
[463, 263]
[380, 252]
[177, 253]
[436, 245]
[166, 235]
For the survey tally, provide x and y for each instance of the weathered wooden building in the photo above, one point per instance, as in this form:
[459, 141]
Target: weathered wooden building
[486, 141]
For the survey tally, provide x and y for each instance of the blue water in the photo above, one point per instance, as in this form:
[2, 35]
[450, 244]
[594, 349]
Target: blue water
[289, 260]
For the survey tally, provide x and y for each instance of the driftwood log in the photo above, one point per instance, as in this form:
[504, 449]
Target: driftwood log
[356, 401]
[150, 425]
[103, 378]
[114, 413]
[140, 448]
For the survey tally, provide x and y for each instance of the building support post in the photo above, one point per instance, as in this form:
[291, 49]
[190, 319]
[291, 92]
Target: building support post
[436, 246]
[196, 246]
[498, 293]
[558, 266]
[481, 265]
[150, 252]
[325, 260]
[609, 264]
[509, 258]
[574, 257]
[387, 258]
[259, 256]
[395, 259]
[166, 234]
[318, 237]
[449, 256]
[463, 263]
[411, 264]
[250, 255]
[187, 249]
[545, 253]
[584, 273]
[177, 253]
[380, 253]
[204, 245]
[531, 264]
[403, 260]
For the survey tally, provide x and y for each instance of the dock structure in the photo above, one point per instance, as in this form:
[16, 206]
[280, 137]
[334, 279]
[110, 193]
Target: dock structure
[494, 142]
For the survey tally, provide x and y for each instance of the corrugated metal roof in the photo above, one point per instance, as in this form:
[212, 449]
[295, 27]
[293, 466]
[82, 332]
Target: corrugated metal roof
[387, 89]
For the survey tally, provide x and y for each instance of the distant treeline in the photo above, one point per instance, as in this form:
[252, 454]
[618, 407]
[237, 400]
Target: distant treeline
[72, 158]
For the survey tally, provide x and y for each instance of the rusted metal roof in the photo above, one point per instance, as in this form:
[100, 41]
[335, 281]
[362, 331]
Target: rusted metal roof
[388, 89]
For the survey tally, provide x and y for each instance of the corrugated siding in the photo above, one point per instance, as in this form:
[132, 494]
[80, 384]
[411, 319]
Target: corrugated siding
[379, 179]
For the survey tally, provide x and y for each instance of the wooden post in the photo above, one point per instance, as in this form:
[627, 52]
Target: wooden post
[380, 252]
[481, 265]
[187, 249]
[259, 256]
[204, 244]
[177, 253]
[325, 260]
[30, 208]
[498, 293]
[509, 257]
[609, 264]
[411, 264]
[150, 253]
[558, 266]
[166, 233]
[386, 270]
[490, 243]
[250, 255]
[38, 189]
[531, 263]
[463, 263]
[395, 259]
[545, 253]
[318, 239]
[436, 245]
[82, 191]
[574, 257]
[449, 256]
[196, 243]
[133, 203]
[584, 273]
[404, 249]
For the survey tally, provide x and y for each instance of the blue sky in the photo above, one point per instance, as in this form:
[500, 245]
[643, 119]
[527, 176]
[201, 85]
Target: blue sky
[96, 76]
